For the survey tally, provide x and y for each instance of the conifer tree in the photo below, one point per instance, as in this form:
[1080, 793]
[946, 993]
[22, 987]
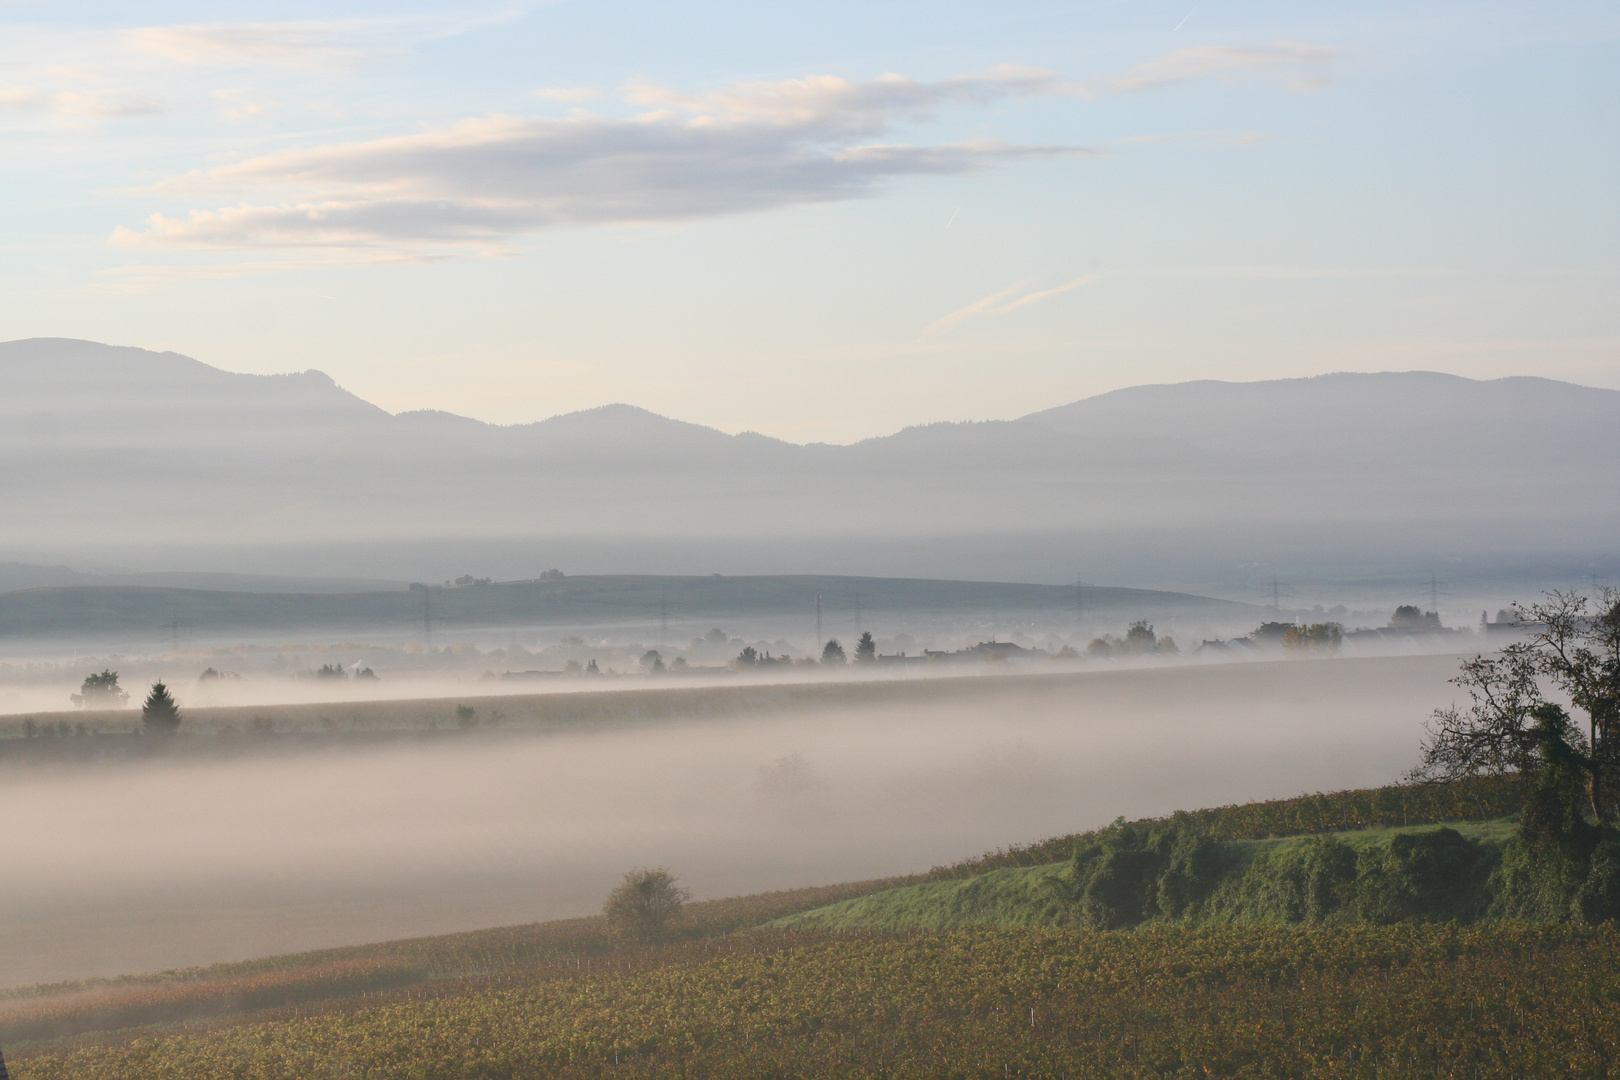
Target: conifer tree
[866, 648]
[160, 715]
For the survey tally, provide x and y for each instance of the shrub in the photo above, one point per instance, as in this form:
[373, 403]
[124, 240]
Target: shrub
[645, 904]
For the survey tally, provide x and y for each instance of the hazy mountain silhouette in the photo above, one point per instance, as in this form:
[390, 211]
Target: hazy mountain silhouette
[120, 446]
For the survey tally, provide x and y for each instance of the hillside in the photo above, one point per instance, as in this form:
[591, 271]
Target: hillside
[726, 996]
[620, 600]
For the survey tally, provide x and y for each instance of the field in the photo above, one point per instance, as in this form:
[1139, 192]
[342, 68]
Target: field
[730, 994]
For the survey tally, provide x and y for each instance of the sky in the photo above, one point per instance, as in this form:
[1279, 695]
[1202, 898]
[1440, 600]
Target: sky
[821, 221]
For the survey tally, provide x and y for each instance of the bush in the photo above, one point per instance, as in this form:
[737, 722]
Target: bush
[646, 904]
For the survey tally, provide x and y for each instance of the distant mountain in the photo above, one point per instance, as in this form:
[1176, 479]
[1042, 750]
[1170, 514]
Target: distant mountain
[122, 447]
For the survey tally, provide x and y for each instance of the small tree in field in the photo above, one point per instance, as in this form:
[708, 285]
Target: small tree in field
[866, 648]
[159, 714]
[833, 653]
[100, 691]
[645, 904]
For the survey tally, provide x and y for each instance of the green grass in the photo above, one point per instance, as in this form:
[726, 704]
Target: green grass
[1029, 896]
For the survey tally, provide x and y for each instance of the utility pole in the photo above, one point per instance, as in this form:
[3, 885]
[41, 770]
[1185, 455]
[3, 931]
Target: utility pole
[1434, 593]
[818, 621]
[858, 626]
[427, 615]
[1276, 594]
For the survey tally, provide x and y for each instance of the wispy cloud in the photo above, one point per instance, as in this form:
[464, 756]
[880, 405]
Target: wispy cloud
[1307, 273]
[287, 44]
[1004, 301]
[482, 182]
[1302, 66]
[79, 105]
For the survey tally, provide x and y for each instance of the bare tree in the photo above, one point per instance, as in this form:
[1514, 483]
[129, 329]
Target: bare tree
[1573, 651]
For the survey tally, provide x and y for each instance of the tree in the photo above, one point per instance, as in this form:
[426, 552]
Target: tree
[652, 662]
[1140, 637]
[1323, 636]
[866, 648]
[1572, 651]
[100, 691]
[833, 653]
[748, 657]
[159, 714]
[645, 904]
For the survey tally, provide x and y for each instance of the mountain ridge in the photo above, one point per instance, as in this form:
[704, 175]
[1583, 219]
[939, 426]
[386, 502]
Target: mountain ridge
[196, 455]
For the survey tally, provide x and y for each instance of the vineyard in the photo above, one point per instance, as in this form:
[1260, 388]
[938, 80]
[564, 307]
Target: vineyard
[1407, 1001]
[770, 986]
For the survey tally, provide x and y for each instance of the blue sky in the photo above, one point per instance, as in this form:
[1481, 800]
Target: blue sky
[819, 221]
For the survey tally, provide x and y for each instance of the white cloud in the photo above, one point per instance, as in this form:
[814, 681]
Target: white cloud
[1005, 300]
[79, 105]
[569, 93]
[1303, 66]
[299, 45]
[484, 181]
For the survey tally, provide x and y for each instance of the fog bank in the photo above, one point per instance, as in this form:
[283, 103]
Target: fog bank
[155, 864]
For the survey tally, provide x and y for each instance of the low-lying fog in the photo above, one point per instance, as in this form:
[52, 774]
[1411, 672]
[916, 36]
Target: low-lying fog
[138, 866]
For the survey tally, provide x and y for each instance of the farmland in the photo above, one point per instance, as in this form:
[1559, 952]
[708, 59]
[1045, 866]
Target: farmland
[728, 994]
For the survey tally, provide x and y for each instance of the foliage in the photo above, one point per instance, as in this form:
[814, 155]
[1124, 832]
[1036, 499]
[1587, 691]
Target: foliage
[1472, 799]
[100, 690]
[159, 713]
[331, 671]
[865, 648]
[1325, 636]
[833, 653]
[652, 661]
[1389, 1002]
[1133, 874]
[1577, 654]
[646, 904]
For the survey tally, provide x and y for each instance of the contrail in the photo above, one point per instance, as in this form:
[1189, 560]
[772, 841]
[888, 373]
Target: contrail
[1185, 17]
[951, 222]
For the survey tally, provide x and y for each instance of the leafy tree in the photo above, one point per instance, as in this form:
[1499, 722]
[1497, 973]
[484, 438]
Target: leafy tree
[159, 713]
[466, 717]
[331, 671]
[833, 653]
[652, 661]
[1324, 636]
[1573, 651]
[100, 691]
[865, 648]
[1140, 637]
[748, 657]
[645, 904]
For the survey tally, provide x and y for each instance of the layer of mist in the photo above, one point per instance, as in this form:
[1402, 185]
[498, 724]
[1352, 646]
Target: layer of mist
[126, 866]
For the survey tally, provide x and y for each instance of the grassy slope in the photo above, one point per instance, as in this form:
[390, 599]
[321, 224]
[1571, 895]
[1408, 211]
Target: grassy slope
[1024, 896]
[48, 1022]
